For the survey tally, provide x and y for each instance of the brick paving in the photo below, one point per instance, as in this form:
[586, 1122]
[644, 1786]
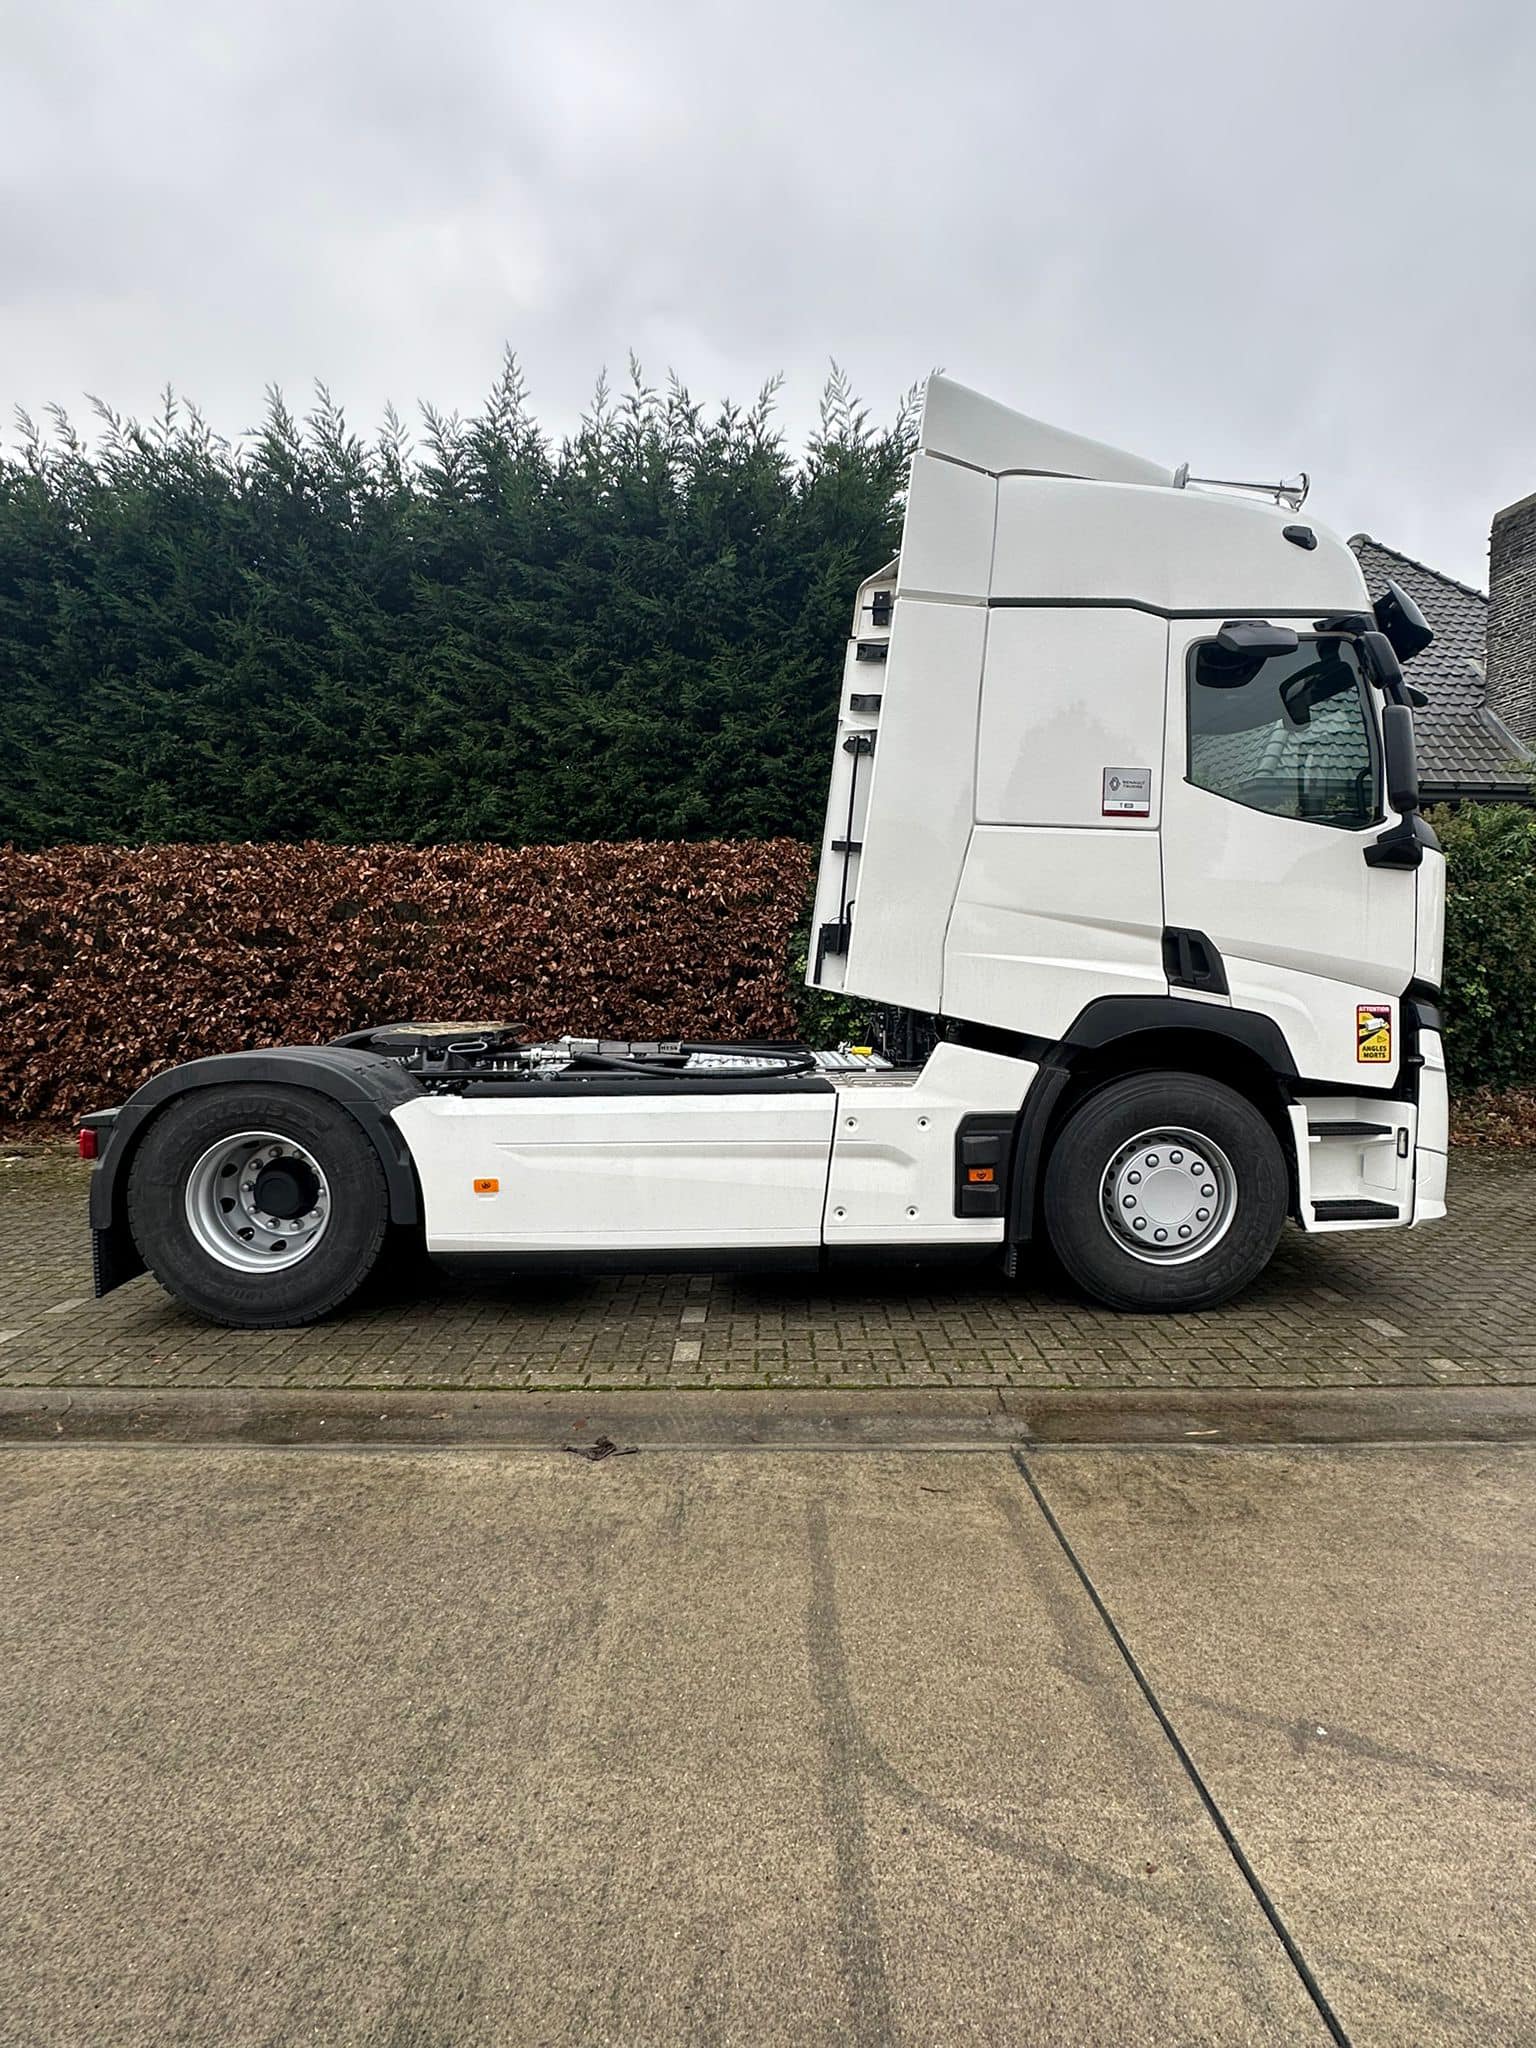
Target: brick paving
[1454, 1304]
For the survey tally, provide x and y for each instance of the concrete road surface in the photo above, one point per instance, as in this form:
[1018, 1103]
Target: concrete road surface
[1343, 1640]
[456, 1747]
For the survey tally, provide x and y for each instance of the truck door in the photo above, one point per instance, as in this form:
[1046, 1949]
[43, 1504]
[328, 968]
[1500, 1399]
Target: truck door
[1272, 793]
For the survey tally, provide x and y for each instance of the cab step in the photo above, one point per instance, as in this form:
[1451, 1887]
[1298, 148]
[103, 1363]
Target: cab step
[1351, 1130]
[1356, 1212]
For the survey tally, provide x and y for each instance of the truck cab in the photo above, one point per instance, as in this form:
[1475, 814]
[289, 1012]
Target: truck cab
[1121, 842]
[1117, 748]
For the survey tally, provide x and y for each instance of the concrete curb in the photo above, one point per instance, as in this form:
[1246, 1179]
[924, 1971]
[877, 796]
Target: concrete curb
[801, 1419]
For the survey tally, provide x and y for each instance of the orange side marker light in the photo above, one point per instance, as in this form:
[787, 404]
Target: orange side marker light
[487, 1187]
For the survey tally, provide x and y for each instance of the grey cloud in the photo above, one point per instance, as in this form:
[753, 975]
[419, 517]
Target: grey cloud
[1253, 238]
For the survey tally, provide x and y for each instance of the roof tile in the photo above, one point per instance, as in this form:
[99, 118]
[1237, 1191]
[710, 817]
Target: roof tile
[1460, 740]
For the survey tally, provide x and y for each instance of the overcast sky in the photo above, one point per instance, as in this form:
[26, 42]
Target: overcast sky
[1254, 237]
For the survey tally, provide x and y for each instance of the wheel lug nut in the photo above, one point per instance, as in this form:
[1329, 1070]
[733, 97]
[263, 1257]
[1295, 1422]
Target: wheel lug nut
[1141, 1223]
[1183, 1230]
[1151, 1159]
[1176, 1158]
[1129, 1202]
[1207, 1192]
[1160, 1235]
[1134, 1179]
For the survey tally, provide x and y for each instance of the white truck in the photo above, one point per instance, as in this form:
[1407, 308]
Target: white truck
[1122, 836]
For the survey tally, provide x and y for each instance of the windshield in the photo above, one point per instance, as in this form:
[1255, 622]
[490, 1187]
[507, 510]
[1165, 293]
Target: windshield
[1290, 734]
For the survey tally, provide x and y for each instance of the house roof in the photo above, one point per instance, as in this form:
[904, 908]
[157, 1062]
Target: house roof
[1463, 747]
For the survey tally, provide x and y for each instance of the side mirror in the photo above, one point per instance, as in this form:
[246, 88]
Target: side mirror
[1403, 623]
[1378, 657]
[1402, 764]
[1256, 637]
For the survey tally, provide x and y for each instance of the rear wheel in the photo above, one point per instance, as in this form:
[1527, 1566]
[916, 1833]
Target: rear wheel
[258, 1207]
[1165, 1191]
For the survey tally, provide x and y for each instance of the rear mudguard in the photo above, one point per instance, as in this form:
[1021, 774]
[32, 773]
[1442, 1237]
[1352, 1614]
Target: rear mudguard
[367, 1086]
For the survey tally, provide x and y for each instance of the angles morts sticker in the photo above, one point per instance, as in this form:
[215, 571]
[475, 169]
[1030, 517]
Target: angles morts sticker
[1373, 1032]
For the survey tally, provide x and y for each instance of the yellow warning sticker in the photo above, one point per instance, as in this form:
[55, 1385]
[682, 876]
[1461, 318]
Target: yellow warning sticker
[1373, 1031]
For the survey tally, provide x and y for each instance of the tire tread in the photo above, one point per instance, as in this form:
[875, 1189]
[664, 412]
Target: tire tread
[1115, 1112]
[340, 1264]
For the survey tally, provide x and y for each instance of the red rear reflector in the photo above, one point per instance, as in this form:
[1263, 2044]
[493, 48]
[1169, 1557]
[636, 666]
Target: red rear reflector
[88, 1147]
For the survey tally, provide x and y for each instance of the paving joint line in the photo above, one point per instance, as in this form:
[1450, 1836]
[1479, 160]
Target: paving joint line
[357, 1447]
[1191, 1769]
[1015, 1446]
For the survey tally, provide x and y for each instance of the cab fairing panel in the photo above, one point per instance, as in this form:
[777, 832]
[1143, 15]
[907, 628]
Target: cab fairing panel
[1429, 1177]
[913, 796]
[1429, 933]
[1434, 1131]
[1172, 550]
[946, 536]
[1065, 696]
[921, 800]
[1434, 1098]
[1028, 968]
[621, 1173]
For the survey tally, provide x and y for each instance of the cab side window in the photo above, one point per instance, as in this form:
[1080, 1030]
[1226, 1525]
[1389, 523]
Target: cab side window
[1285, 733]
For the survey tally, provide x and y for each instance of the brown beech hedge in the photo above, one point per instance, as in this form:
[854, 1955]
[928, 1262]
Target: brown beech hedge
[116, 962]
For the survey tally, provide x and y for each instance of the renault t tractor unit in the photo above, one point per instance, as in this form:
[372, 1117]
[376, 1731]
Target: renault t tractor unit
[1122, 844]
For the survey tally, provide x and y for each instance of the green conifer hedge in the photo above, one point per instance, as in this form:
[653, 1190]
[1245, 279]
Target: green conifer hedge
[636, 634]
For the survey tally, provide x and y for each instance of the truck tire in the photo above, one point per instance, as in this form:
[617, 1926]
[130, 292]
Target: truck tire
[1165, 1191]
[260, 1207]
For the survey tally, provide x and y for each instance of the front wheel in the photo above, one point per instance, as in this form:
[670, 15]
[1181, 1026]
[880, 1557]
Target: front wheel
[1165, 1191]
[258, 1207]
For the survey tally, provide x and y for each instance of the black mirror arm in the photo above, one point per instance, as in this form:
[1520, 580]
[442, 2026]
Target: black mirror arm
[1404, 844]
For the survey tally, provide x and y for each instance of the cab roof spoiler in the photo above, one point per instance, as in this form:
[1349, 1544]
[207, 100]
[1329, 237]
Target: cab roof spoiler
[962, 426]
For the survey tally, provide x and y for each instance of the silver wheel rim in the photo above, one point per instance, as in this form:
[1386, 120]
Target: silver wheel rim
[235, 1194]
[1168, 1196]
